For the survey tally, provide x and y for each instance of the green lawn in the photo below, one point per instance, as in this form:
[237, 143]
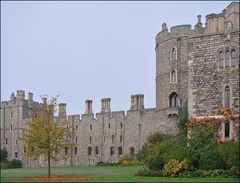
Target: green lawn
[100, 174]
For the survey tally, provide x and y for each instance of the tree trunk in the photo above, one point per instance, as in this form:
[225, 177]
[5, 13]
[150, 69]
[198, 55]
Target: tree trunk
[49, 165]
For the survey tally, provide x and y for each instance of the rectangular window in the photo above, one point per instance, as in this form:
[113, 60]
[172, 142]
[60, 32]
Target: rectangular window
[227, 129]
[6, 141]
[16, 155]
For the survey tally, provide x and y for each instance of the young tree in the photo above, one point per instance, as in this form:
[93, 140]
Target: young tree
[47, 135]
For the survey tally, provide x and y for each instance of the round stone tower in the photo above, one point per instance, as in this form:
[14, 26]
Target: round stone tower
[171, 74]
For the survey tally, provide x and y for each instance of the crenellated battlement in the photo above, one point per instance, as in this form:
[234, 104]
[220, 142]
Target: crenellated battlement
[226, 21]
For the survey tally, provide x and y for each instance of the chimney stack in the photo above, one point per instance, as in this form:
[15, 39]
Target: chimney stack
[106, 105]
[137, 102]
[62, 110]
[88, 105]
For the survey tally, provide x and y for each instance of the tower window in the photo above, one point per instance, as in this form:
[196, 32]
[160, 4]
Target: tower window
[227, 129]
[76, 140]
[89, 151]
[16, 155]
[233, 58]
[6, 141]
[90, 139]
[11, 114]
[96, 150]
[121, 125]
[66, 150]
[173, 100]
[111, 150]
[90, 127]
[24, 149]
[112, 139]
[121, 138]
[76, 128]
[16, 141]
[11, 127]
[131, 150]
[227, 59]
[227, 97]
[221, 59]
[119, 150]
[173, 55]
[109, 126]
[75, 150]
[173, 76]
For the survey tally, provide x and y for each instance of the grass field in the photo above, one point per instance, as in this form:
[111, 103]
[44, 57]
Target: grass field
[98, 174]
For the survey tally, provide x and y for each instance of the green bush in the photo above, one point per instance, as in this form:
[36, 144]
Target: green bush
[15, 163]
[11, 164]
[156, 163]
[4, 165]
[174, 167]
[201, 137]
[230, 154]
[210, 159]
[210, 173]
[178, 153]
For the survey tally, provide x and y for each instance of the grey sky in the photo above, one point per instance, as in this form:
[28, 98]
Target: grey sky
[88, 50]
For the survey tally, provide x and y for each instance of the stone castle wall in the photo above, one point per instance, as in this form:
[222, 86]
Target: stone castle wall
[198, 80]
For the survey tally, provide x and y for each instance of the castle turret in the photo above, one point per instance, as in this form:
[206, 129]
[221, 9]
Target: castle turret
[106, 105]
[62, 110]
[88, 108]
[44, 100]
[12, 97]
[30, 100]
[198, 27]
[20, 94]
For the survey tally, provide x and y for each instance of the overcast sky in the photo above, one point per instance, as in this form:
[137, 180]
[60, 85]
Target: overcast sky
[88, 50]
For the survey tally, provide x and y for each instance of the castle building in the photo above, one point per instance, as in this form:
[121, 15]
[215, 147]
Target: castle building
[195, 66]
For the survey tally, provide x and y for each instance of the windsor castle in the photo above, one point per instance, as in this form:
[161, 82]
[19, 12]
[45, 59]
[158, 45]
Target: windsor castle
[197, 66]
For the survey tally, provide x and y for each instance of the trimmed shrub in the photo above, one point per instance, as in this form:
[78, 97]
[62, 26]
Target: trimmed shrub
[174, 167]
[210, 173]
[230, 154]
[210, 159]
[15, 163]
[156, 163]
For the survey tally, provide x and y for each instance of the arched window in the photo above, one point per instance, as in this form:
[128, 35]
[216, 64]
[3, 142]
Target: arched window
[89, 151]
[119, 150]
[173, 100]
[173, 54]
[76, 140]
[227, 129]
[6, 141]
[75, 150]
[112, 139]
[221, 59]
[108, 125]
[90, 127]
[121, 125]
[227, 56]
[96, 150]
[173, 76]
[121, 138]
[24, 149]
[76, 128]
[90, 139]
[227, 97]
[233, 58]
[111, 150]
[11, 127]
[131, 150]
